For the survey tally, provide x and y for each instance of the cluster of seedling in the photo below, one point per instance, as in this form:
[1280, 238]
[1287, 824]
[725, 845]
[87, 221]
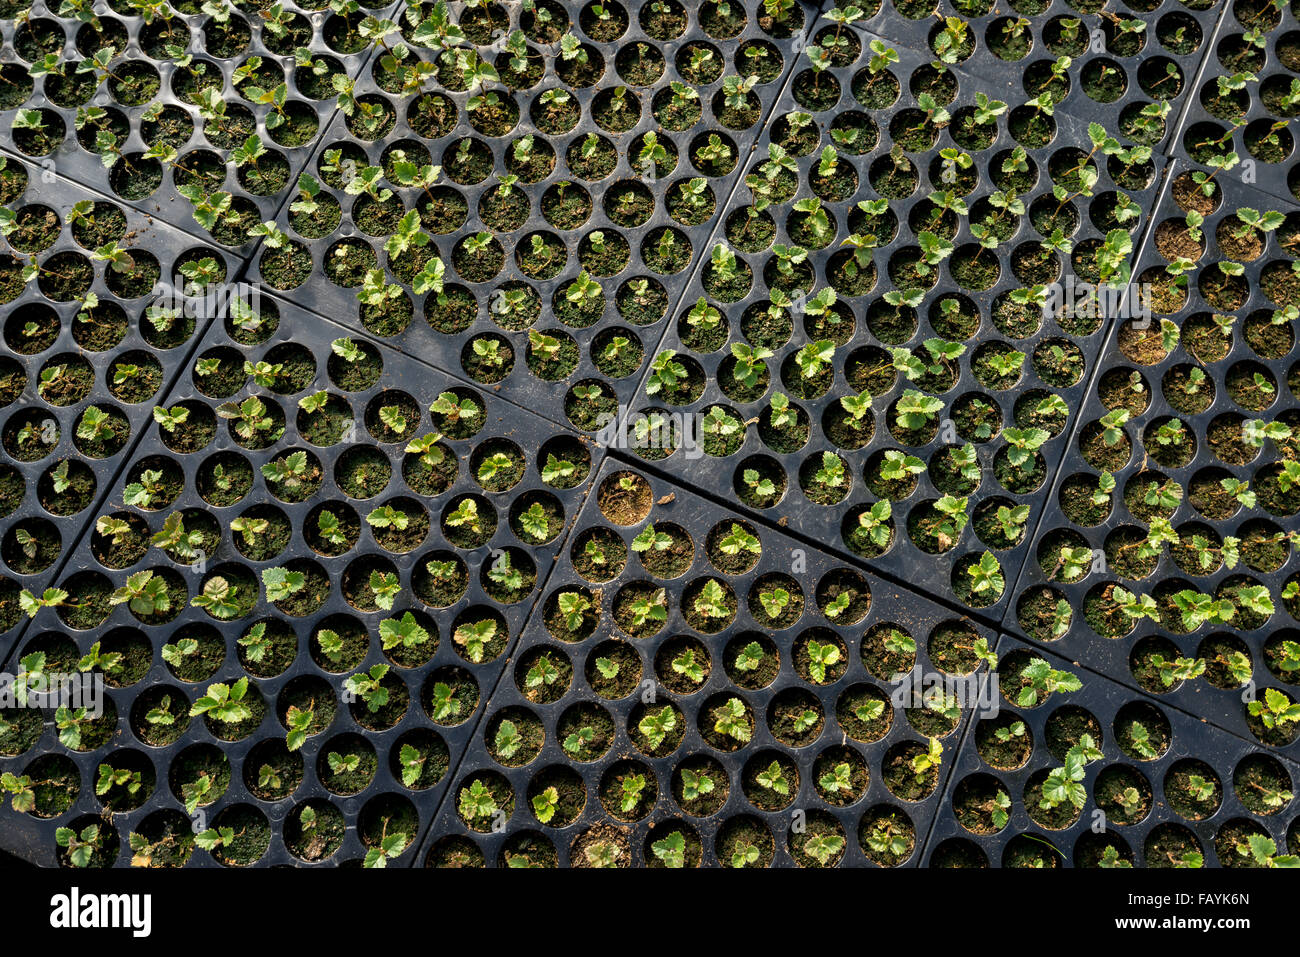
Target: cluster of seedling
[292, 537]
[1073, 771]
[1133, 59]
[1248, 96]
[522, 190]
[695, 695]
[1179, 521]
[89, 347]
[215, 103]
[878, 332]
[834, 239]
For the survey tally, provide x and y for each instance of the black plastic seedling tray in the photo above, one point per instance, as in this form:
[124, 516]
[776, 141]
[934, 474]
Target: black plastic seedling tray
[66, 354]
[654, 674]
[1227, 364]
[296, 666]
[1154, 827]
[868, 329]
[633, 288]
[1241, 119]
[557, 570]
[1125, 71]
[151, 99]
